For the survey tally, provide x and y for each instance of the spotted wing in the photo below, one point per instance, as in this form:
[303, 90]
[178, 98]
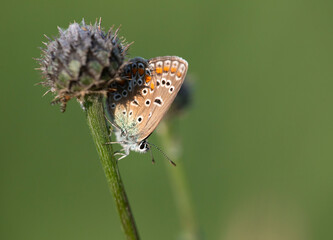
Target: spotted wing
[124, 104]
[168, 74]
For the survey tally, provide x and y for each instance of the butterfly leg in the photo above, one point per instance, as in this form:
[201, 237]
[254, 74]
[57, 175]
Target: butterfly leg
[119, 152]
[108, 143]
[123, 156]
[126, 153]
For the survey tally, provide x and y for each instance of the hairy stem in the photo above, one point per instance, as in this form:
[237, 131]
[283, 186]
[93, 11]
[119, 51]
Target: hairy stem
[99, 131]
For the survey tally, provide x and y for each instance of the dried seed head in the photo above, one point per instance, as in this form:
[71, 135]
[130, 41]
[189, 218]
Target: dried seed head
[83, 60]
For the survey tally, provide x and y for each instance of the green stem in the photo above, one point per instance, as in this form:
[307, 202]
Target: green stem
[98, 128]
[179, 185]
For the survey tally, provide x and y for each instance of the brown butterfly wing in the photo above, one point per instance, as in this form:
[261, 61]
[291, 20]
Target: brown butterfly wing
[126, 104]
[168, 74]
[138, 106]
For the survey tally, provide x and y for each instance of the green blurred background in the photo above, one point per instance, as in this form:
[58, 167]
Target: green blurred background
[257, 142]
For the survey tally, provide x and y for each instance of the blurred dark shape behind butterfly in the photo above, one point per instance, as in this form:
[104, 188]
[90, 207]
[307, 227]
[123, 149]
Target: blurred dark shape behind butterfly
[183, 100]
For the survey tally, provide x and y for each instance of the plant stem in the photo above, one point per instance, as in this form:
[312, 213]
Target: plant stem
[96, 121]
[179, 186]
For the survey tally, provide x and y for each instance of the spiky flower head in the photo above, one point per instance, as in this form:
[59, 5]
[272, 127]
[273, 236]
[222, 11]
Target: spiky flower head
[82, 61]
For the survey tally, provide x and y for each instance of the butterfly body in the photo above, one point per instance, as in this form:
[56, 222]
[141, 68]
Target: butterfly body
[139, 104]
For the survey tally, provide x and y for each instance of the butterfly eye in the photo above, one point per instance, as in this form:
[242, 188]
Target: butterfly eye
[143, 146]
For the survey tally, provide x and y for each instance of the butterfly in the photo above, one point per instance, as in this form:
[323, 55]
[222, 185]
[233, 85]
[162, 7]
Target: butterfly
[138, 105]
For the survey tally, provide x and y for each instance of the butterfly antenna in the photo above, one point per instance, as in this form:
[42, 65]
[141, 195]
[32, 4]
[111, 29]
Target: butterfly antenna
[172, 162]
[111, 123]
[152, 157]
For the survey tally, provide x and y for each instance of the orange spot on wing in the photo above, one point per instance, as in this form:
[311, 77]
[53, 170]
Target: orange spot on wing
[83, 28]
[152, 86]
[134, 70]
[166, 68]
[173, 70]
[141, 71]
[148, 78]
[158, 70]
[179, 74]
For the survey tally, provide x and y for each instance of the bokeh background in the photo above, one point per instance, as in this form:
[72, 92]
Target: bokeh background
[257, 142]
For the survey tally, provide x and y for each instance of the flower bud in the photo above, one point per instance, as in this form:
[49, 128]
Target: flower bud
[83, 60]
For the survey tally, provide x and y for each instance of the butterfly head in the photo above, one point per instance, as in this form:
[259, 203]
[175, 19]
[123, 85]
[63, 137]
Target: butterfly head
[130, 143]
